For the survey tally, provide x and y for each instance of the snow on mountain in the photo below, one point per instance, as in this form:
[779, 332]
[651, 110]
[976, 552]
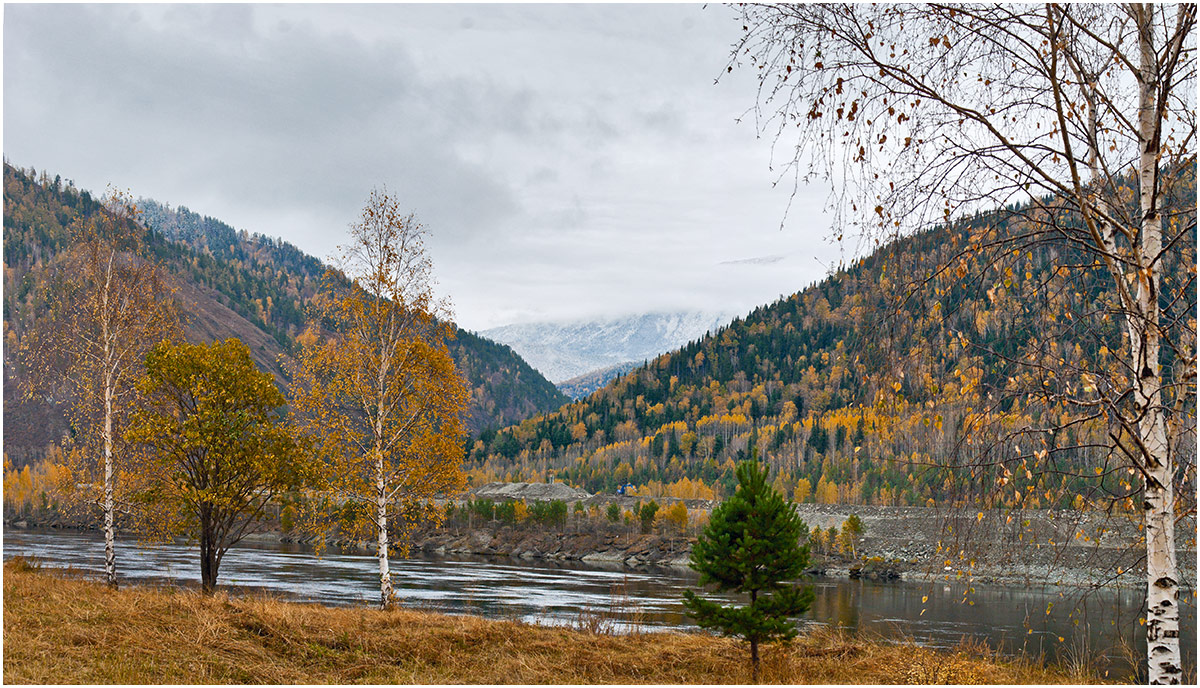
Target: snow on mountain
[581, 386]
[565, 350]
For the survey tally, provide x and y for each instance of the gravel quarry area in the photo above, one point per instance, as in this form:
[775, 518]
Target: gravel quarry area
[530, 492]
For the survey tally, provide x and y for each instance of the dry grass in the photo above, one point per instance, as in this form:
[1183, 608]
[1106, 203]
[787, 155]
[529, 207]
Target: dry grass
[60, 629]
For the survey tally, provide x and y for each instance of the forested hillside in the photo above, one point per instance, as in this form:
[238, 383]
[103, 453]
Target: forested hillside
[854, 388]
[231, 283]
[267, 281]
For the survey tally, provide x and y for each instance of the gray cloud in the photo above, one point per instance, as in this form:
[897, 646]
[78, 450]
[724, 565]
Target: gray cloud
[760, 260]
[568, 160]
[258, 119]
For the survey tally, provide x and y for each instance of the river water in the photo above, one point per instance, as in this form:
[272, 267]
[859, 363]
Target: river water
[1012, 619]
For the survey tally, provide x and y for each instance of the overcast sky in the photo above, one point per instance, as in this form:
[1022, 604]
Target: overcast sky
[568, 161]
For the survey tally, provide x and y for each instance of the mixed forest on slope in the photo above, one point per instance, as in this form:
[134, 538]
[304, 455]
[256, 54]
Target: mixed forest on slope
[859, 389]
[231, 283]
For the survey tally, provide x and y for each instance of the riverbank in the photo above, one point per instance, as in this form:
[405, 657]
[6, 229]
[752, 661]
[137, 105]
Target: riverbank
[62, 629]
[1030, 548]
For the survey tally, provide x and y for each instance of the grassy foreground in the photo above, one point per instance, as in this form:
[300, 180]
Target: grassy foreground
[60, 629]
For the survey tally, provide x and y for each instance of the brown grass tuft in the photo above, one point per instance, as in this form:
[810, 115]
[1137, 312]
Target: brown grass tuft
[60, 629]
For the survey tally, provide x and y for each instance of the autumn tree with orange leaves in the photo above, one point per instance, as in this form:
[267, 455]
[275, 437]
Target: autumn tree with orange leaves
[374, 387]
[106, 306]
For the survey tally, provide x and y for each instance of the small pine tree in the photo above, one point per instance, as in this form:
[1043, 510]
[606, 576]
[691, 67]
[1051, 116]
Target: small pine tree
[613, 512]
[647, 514]
[751, 546]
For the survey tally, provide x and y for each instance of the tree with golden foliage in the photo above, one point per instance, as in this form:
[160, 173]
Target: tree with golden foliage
[106, 305]
[33, 486]
[218, 453]
[677, 515]
[374, 386]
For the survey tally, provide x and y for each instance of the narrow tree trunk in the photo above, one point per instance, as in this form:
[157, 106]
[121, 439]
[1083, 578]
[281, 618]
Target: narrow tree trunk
[754, 660]
[385, 576]
[753, 644]
[1162, 576]
[110, 553]
[208, 553]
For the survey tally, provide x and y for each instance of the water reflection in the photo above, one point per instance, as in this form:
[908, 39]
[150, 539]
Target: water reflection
[938, 615]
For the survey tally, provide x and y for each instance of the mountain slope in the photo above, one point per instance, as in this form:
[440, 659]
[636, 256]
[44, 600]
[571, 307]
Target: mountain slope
[849, 387]
[562, 351]
[581, 386]
[231, 284]
[504, 388]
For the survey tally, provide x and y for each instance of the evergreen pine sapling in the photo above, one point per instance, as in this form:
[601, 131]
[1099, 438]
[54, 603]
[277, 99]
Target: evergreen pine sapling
[647, 513]
[613, 512]
[751, 546]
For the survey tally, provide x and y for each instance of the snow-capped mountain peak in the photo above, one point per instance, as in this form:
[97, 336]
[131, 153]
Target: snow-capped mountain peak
[564, 350]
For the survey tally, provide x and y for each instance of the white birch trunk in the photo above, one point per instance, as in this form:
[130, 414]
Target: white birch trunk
[385, 575]
[1162, 573]
[110, 554]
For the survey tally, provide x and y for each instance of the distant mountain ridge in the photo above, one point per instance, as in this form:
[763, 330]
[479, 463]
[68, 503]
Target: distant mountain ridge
[565, 350]
[580, 386]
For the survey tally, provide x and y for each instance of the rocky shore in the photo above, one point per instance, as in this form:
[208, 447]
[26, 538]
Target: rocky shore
[609, 546]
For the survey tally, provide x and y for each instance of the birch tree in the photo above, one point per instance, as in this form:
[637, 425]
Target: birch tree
[375, 386]
[1080, 119]
[105, 307]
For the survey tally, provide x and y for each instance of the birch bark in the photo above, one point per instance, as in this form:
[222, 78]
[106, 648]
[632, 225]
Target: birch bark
[110, 553]
[1162, 571]
[381, 521]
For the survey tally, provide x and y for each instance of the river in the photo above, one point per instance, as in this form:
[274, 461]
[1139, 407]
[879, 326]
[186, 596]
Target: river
[1012, 619]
